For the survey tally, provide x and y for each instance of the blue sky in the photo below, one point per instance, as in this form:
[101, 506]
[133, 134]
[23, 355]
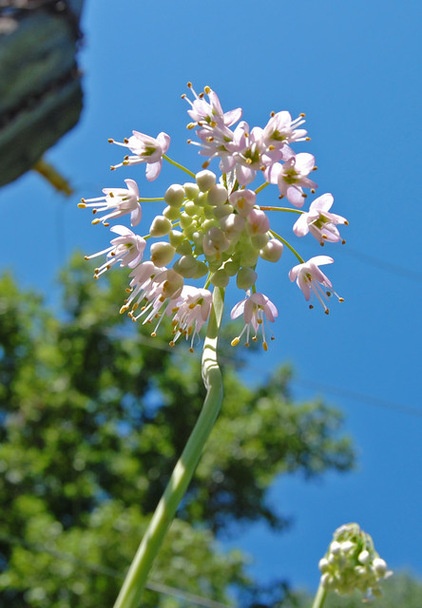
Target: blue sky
[355, 69]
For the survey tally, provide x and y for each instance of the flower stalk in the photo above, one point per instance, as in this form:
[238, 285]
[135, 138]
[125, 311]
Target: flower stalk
[320, 597]
[131, 591]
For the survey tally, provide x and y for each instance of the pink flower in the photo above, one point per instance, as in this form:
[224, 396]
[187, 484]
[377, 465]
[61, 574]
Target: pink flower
[121, 200]
[255, 309]
[281, 129]
[213, 125]
[191, 310]
[152, 289]
[127, 248]
[145, 149]
[319, 221]
[291, 177]
[247, 152]
[311, 280]
[209, 114]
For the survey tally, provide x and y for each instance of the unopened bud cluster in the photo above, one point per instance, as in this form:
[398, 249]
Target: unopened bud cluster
[213, 228]
[351, 563]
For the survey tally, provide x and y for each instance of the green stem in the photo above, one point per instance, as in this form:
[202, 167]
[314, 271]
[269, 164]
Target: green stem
[131, 591]
[261, 187]
[178, 165]
[285, 209]
[149, 199]
[320, 597]
[292, 249]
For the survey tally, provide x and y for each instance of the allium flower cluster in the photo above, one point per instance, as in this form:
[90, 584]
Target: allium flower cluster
[351, 563]
[212, 229]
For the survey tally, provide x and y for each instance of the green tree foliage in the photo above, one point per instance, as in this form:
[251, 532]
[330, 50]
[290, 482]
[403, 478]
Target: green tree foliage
[93, 415]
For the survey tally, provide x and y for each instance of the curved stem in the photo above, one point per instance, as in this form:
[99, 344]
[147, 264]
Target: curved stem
[178, 165]
[320, 597]
[131, 591]
[292, 249]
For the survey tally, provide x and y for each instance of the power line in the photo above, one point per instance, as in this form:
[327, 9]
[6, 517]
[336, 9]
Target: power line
[368, 399]
[383, 265]
[372, 400]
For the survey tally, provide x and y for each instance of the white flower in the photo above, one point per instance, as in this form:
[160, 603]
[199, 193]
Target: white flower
[118, 202]
[191, 310]
[319, 221]
[145, 149]
[292, 176]
[310, 279]
[255, 309]
[127, 248]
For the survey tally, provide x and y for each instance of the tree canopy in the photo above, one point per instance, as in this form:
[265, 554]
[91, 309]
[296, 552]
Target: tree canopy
[93, 415]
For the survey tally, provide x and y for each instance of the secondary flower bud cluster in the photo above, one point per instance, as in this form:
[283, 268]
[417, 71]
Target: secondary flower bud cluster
[212, 228]
[351, 563]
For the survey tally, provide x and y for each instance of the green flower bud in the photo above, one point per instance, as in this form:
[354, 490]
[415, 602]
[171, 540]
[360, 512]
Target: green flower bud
[248, 256]
[176, 238]
[223, 210]
[200, 270]
[231, 267]
[259, 240]
[191, 208]
[246, 277]
[162, 253]
[191, 191]
[175, 195]
[351, 563]
[220, 278]
[171, 213]
[186, 266]
[184, 247]
[160, 226]
[185, 220]
[173, 284]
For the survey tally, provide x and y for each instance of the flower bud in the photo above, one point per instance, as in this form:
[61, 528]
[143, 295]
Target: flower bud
[171, 213]
[191, 191]
[243, 201]
[246, 277]
[351, 563]
[185, 221]
[172, 283]
[176, 238]
[272, 251]
[205, 180]
[191, 208]
[214, 242]
[160, 226]
[220, 278]
[379, 566]
[217, 195]
[232, 224]
[258, 222]
[248, 256]
[162, 253]
[259, 241]
[175, 195]
[184, 247]
[223, 210]
[231, 267]
[186, 266]
[201, 270]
